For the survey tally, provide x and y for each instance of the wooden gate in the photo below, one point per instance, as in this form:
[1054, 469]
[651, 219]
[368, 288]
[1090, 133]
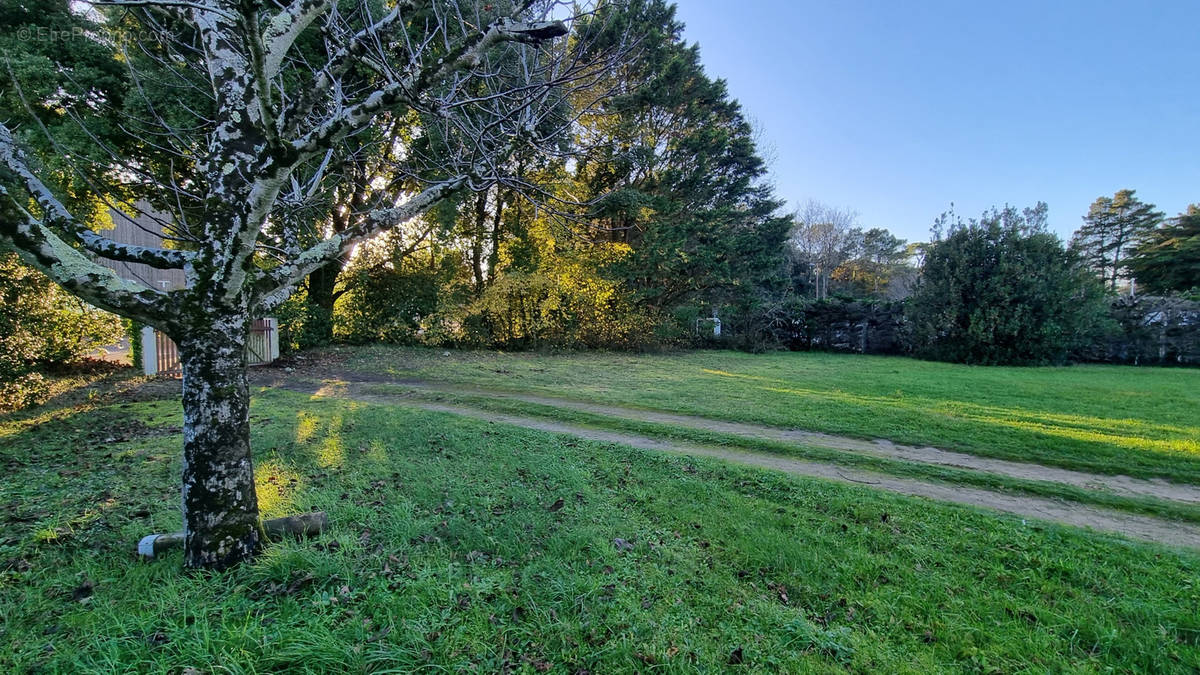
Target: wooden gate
[160, 355]
[258, 345]
[166, 355]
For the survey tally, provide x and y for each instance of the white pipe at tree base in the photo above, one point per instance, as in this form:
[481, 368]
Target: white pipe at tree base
[302, 525]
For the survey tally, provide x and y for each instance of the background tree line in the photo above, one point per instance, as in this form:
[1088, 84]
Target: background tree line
[1002, 289]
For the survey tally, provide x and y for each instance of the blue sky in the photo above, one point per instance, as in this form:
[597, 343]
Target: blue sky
[898, 108]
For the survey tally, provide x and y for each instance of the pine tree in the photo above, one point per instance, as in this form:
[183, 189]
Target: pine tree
[1111, 228]
[1168, 258]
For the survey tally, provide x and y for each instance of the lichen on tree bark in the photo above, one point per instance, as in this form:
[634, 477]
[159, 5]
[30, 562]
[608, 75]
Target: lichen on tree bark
[220, 506]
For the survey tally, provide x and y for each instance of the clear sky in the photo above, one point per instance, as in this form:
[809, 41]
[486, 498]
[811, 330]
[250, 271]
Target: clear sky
[896, 108]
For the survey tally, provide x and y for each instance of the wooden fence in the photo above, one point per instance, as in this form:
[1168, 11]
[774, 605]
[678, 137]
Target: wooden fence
[160, 355]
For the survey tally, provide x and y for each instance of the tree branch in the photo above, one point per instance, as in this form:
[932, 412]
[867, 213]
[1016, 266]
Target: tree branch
[284, 28]
[57, 215]
[352, 51]
[68, 267]
[275, 285]
[466, 56]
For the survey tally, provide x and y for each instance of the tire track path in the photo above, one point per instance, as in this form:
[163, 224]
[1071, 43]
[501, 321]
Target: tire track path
[1146, 528]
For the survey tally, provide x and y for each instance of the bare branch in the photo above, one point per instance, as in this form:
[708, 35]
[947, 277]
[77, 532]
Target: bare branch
[284, 28]
[57, 215]
[468, 55]
[276, 284]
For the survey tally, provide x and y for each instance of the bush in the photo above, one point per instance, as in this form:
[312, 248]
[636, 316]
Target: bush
[42, 327]
[857, 325]
[1003, 291]
[301, 324]
[533, 310]
[385, 304]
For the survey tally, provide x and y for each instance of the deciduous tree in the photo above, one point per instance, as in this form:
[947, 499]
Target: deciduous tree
[823, 237]
[251, 142]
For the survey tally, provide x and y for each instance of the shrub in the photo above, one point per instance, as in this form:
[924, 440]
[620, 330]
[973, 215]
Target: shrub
[384, 304]
[533, 309]
[41, 327]
[1003, 290]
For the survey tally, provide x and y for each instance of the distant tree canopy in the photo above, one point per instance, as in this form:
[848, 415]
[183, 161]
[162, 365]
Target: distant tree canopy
[1111, 228]
[1167, 260]
[831, 255]
[1002, 290]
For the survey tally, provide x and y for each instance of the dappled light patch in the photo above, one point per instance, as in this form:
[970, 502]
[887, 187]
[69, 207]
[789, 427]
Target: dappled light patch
[306, 427]
[842, 396]
[740, 376]
[332, 452]
[330, 389]
[376, 451]
[1124, 433]
[1082, 422]
[276, 485]
[1134, 437]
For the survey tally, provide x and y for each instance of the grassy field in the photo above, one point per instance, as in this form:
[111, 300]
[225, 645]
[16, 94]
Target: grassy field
[1104, 419]
[462, 545]
[1172, 510]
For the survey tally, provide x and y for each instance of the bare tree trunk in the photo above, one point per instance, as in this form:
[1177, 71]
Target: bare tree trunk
[220, 507]
[497, 235]
[318, 330]
[477, 240]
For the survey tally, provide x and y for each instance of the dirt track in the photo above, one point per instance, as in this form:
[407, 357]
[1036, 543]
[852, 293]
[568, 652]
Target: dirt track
[1135, 526]
[1122, 485]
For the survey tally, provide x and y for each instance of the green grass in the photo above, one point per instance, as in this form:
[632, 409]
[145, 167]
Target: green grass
[1146, 505]
[1106, 419]
[446, 554]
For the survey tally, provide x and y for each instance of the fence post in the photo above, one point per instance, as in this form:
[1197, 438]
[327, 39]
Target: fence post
[273, 339]
[149, 352]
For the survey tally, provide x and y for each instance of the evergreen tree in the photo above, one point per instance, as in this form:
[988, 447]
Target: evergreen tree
[64, 83]
[879, 257]
[1168, 258]
[1110, 229]
[1002, 290]
[674, 166]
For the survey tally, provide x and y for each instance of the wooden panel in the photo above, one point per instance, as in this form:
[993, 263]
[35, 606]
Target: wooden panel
[258, 344]
[168, 356]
